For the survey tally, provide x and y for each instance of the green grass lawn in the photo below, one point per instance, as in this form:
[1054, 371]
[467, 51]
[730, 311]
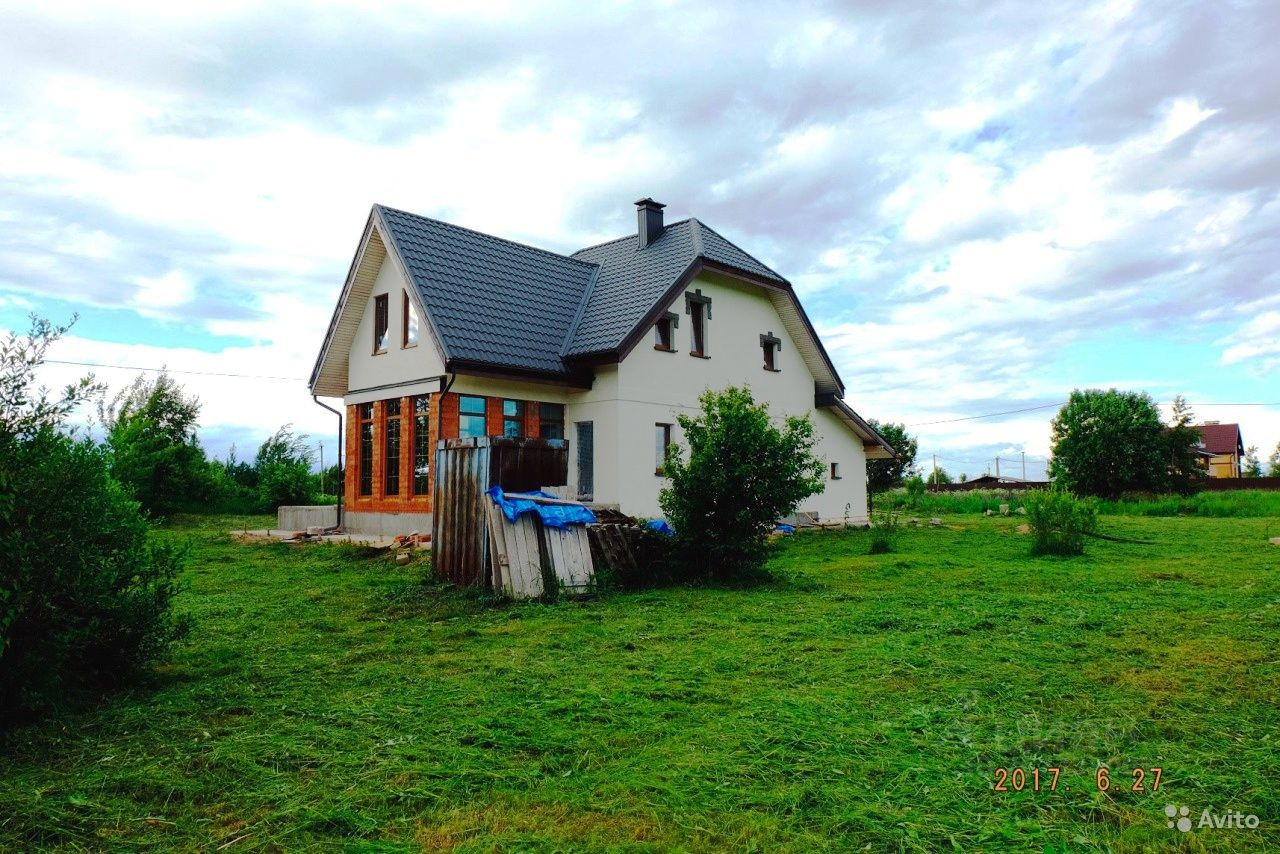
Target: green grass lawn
[330, 699]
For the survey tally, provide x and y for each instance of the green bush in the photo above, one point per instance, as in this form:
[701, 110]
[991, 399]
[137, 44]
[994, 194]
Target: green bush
[884, 531]
[85, 597]
[88, 596]
[1059, 521]
[743, 474]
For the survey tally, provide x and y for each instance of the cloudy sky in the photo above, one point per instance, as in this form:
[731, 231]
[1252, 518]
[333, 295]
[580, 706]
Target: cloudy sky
[983, 205]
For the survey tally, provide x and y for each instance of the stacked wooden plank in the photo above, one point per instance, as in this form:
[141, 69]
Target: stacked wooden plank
[529, 560]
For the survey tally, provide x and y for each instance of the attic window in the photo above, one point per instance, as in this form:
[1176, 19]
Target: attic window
[698, 308]
[664, 332]
[770, 345]
[380, 324]
[409, 323]
[835, 471]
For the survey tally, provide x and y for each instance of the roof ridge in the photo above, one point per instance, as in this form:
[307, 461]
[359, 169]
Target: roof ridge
[772, 271]
[565, 346]
[486, 234]
[630, 236]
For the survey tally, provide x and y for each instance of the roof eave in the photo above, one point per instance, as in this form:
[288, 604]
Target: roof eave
[876, 446]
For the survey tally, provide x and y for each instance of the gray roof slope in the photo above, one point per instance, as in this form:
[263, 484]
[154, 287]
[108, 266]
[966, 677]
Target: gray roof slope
[491, 300]
[632, 280]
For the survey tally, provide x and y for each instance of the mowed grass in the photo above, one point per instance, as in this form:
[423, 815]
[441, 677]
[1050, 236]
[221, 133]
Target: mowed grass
[1243, 503]
[329, 699]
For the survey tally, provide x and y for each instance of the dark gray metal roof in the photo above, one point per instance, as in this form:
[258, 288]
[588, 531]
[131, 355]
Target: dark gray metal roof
[514, 307]
[632, 280]
[490, 300]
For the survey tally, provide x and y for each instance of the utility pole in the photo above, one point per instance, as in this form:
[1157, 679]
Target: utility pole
[997, 468]
[322, 489]
[1024, 465]
[935, 472]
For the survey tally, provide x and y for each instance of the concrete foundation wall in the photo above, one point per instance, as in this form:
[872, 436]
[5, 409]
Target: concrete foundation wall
[385, 525]
[301, 517]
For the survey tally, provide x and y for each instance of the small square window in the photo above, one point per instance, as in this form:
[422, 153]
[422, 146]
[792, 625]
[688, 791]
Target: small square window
[551, 420]
[471, 422]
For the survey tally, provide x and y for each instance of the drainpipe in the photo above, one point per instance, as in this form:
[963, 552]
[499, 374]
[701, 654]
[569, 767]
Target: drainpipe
[342, 455]
[440, 408]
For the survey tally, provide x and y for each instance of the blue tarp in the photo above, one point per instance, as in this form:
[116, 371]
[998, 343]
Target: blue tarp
[552, 515]
[785, 529]
[661, 526]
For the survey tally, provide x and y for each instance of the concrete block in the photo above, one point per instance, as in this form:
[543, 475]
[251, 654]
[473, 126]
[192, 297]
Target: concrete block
[302, 517]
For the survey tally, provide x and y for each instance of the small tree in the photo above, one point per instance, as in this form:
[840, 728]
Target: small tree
[1106, 442]
[283, 466]
[1181, 440]
[1059, 521]
[742, 475]
[151, 433]
[1273, 462]
[1252, 466]
[883, 475]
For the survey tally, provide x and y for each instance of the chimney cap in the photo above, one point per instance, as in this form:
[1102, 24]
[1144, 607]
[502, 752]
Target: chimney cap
[648, 202]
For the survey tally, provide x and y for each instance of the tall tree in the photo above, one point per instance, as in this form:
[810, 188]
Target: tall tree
[1107, 442]
[883, 475]
[151, 434]
[1181, 438]
[1252, 466]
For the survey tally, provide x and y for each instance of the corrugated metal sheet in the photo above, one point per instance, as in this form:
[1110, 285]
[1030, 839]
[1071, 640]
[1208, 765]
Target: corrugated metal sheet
[465, 469]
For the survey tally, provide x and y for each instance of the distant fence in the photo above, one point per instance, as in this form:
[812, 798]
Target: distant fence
[1228, 484]
[1001, 486]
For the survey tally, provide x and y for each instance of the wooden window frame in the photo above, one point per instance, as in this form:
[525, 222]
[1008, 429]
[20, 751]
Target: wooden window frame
[364, 463]
[662, 441]
[517, 419]
[770, 346]
[421, 447]
[381, 323]
[698, 307]
[482, 415]
[664, 332]
[544, 421]
[406, 313]
[392, 436]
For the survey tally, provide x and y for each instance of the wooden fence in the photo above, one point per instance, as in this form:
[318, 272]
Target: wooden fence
[1227, 484]
[465, 469]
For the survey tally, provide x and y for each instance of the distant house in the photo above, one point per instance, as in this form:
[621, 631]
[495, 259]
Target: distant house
[1226, 445]
[446, 333]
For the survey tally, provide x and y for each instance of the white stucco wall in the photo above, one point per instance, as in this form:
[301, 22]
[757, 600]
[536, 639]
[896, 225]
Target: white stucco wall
[651, 386]
[398, 364]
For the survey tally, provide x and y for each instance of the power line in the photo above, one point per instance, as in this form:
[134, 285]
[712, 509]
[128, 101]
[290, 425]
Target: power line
[1064, 403]
[173, 371]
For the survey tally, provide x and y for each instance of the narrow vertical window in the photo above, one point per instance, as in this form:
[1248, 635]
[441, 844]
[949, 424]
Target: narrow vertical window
[513, 418]
[835, 471]
[366, 448]
[698, 331]
[770, 345]
[662, 441]
[698, 307]
[409, 322]
[586, 460]
[391, 473]
[551, 420]
[664, 333]
[380, 323]
[471, 417]
[421, 444]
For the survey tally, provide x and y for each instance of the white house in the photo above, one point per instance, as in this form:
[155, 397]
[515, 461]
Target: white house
[443, 332]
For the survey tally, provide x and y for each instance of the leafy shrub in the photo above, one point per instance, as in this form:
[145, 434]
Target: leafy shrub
[884, 531]
[88, 596]
[85, 597]
[743, 474]
[1059, 521]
